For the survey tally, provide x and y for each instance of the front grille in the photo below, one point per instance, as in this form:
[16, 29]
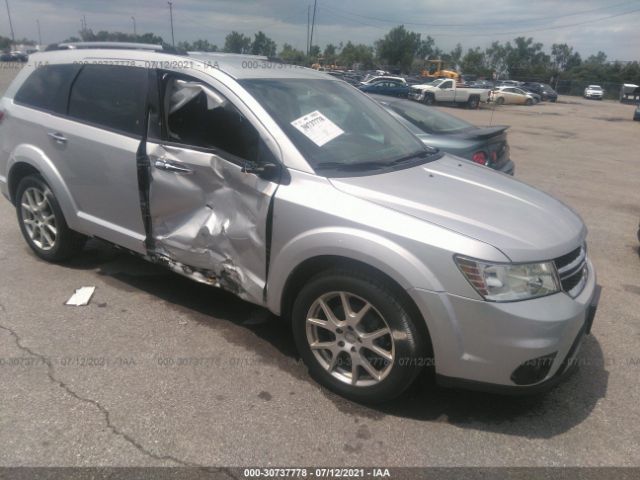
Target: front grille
[572, 270]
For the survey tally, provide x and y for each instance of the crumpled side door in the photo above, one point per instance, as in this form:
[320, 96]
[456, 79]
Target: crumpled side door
[207, 217]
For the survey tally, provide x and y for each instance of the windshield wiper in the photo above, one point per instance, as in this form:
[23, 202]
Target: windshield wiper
[351, 166]
[427, 151]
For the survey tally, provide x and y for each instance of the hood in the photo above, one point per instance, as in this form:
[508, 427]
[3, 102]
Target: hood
[521, 221]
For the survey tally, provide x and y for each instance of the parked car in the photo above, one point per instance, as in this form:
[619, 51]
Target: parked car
[485, 84]
[445, 90]
[507, 83]
[594, 91]
[368, 80]
[636, 113]
[300, 194]
[483, 145]
[545, 91]
[386, 87]
[513, 95]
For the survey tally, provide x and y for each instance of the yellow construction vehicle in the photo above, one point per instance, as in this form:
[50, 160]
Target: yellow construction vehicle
[433, 70]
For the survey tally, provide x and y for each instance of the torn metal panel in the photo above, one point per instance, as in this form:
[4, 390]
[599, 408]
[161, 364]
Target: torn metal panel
[210, 224]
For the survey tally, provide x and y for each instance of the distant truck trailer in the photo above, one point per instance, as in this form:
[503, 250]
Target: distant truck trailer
[630, 93]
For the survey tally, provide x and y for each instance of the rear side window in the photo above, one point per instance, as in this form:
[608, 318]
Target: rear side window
[110, 96]
[47, 88]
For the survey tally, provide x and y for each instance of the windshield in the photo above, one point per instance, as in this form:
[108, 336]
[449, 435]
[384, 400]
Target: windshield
[333, 125]
[436, 83]
[428, 119]
[595, 87]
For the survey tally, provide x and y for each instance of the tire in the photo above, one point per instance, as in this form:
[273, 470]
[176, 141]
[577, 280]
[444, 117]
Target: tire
[42, 223]
[500, 101]
[473, 102]
[429, 99]
[529, 102]
[401, 349]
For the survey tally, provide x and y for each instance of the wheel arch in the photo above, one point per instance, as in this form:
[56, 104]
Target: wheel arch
[321, 263]
[28, 160]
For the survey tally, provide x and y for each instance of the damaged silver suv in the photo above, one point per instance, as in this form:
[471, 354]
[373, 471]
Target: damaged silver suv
[299, 193]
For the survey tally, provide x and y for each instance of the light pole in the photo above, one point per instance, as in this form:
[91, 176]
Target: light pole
[135, 31]
[173, 40]
[39, 33]
[13, 37]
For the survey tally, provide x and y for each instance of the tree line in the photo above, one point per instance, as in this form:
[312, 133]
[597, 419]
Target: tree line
[403, 51]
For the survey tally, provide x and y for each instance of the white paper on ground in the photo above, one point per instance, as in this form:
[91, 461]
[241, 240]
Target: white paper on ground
[317, 128]
[81, 296]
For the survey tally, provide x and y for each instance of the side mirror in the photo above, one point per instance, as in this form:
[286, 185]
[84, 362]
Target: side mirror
[266, 171]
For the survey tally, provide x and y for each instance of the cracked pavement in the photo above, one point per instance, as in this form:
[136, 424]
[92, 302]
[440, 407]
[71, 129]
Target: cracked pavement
[160, 371]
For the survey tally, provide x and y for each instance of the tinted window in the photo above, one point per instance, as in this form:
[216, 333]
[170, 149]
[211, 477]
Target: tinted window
[197, 115]
[110, 96]
[48, 87]
[428, 119]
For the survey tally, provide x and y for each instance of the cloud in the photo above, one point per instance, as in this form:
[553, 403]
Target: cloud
[468, 22]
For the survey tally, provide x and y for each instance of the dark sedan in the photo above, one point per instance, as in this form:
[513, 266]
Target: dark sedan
[391, 88]
[484, 145]
[544, 90]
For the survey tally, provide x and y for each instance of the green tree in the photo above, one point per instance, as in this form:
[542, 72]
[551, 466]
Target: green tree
[359, 55]
[237, 42]
[455, 56]
[474, 62]
[289, 54]
[330, 54]
[398, 47]
[263, 45]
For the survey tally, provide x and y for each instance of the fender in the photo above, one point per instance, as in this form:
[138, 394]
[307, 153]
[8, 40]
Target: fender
[366, 247]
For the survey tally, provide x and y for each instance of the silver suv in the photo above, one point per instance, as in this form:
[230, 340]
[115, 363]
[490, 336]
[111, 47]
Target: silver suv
[299, 193]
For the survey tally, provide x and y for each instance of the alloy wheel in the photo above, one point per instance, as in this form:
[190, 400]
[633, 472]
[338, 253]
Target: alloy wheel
[350, 339]
[38, 218]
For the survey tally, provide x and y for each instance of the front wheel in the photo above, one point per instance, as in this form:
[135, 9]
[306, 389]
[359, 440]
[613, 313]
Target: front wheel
[429, 99]
[500, 101]
[42, 223]
[529, 102]
[357, 337]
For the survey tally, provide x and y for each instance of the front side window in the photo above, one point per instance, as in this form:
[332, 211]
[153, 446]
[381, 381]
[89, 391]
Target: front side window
[197, 115]
[110, 96]
[47, 88]
[332, 125]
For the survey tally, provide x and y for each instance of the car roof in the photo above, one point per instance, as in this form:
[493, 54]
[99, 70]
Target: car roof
[238, 66]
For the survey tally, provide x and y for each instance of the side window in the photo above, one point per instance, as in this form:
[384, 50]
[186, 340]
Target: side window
[47, 87]
[196, 115]
[448, 84]
[110, 96]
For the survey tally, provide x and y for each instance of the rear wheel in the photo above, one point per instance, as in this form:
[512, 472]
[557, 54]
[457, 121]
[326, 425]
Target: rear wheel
[528, 102]
[42, 223]
[473, 102]
[357, 337]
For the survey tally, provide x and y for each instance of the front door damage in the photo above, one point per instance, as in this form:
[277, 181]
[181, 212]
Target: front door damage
[208, 218]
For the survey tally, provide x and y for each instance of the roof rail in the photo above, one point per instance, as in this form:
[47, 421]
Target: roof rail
[110, 45]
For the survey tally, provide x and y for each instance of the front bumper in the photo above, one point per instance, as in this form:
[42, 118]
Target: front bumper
[479, 344]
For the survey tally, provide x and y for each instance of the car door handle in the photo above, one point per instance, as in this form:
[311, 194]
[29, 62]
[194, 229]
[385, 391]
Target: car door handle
[173, 167]
[58, 137]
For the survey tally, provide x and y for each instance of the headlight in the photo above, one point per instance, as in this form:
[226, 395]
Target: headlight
[502, 282]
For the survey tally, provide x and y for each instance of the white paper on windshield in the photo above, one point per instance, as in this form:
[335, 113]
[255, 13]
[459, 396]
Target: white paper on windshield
[317, 128]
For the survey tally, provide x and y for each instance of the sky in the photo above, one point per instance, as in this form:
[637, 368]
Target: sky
[611, 26]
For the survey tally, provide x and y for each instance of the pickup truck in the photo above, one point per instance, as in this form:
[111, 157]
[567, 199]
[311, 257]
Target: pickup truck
[445, 90]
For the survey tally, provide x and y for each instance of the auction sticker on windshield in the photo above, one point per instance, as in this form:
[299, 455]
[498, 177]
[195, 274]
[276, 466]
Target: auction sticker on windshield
[317, 128]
